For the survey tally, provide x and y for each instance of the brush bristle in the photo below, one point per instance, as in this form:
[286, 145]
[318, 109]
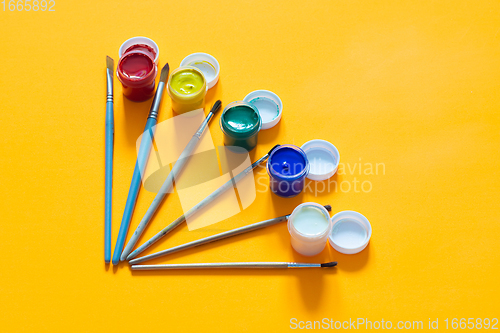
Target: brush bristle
[329, 264]
[164, 73]
[216, 107]
[272, 149]
[110, 63]
[328, 208]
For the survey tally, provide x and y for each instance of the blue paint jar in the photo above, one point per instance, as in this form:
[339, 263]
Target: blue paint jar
[287, 168]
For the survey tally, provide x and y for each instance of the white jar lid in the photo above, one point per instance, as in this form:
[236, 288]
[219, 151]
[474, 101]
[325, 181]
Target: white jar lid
[139, 40]
[269, 106]
[350, 233]
[207, 64]
[323, 158]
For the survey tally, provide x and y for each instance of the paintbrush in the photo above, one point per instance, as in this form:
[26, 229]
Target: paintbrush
[108, 158]
[247, 265]
[168, 184]
[140, 164]
[213, 238]
[199, 205]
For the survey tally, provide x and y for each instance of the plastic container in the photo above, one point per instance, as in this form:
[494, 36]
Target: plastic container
[187, 87]
[207, 64]
[309, 226]
[351, 232]
[141, 43]
[137, 71]
[323, 157]
[287, 167]
[269, 105]
[240, 122]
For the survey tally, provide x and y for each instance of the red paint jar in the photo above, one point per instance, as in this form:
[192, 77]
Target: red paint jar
[137, 71]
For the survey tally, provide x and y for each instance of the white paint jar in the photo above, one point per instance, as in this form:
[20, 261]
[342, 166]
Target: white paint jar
[309, 226]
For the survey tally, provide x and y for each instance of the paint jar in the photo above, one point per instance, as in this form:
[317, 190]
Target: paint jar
[137, 71]
[240, 122]
[187, 88]
[351, 232]
[140, 43]
[287, 167]
[309, 226]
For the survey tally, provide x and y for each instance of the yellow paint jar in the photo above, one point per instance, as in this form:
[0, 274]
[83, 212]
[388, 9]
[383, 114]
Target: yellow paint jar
[187, 88]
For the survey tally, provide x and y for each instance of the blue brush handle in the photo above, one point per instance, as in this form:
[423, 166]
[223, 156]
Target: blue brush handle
[140, 164]
[108, 183]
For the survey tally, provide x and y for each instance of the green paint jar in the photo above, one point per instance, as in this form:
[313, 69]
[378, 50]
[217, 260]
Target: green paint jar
[240, 122]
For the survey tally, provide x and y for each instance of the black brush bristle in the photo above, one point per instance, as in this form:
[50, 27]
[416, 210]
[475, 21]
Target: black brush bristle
[272, 149]
[329, 264]
[216, 107]
[328, 207]
[164, 73]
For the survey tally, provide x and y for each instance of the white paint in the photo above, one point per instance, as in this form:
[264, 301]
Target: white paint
[310, 221]
[309, 226]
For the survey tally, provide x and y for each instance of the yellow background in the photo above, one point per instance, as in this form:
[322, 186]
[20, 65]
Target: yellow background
[411, 84]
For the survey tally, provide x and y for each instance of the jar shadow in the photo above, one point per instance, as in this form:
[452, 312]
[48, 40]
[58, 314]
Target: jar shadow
[351, 262]
[136, 114]
[321, 188]
[311, 281]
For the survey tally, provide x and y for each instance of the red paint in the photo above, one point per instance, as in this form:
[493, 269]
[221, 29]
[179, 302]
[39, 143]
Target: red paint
[136, 71]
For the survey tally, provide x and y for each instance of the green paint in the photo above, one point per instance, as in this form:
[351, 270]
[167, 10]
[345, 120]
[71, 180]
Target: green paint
[241, 118]
[241, 123]
[187, 82]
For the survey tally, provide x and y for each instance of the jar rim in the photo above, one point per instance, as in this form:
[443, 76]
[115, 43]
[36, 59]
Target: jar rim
[301, 174]
[307, 237]
[239, 134]
[139, 81]
[195, 94]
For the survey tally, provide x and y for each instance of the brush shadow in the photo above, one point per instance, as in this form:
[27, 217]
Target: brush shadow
[135, 118]
[227, 272]
[211, 246]
[159, 245]
[311, 282]
[352, 262]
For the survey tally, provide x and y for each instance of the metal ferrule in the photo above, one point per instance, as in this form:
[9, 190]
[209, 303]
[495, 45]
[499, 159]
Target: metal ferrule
[109, 95]
[155, 107]
[204, 125]
[302, 265]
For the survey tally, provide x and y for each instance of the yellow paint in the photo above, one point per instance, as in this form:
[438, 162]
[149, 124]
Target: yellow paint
[187, 89]
[409, 85]
[187, 82]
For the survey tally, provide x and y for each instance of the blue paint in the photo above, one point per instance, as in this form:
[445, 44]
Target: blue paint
[287, 167]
